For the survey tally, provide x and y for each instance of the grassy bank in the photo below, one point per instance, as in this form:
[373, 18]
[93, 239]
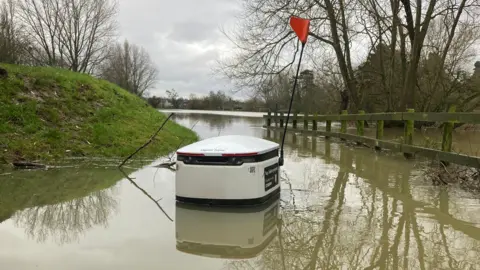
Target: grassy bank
[47, 114]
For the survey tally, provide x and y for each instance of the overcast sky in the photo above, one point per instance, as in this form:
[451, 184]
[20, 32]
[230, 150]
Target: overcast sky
[183, 38]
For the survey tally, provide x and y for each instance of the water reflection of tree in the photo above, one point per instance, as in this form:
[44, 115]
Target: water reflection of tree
[65, 222]
[387, 229]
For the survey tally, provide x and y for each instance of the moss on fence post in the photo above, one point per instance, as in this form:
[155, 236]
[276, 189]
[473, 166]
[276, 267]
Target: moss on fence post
[379, 135]
[447, 134]
[294, 120]
[360, 126]
[314, 121]
[408, 134]
[328, 127]
[343, 128]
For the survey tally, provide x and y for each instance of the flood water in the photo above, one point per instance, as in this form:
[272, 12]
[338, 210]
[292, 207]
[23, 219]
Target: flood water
[341, 207]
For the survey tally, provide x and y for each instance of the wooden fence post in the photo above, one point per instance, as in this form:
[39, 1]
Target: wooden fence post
[360, 126]
[314, 121]
[379, 135]
[281, 119]
[408, 134]
[275, 113]
[294, 120]
[305, 121]
[343, 128]
[328, 127]
[447, 134]
[269, 119]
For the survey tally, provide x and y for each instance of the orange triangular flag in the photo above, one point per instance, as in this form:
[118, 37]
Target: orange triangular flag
[300, 27]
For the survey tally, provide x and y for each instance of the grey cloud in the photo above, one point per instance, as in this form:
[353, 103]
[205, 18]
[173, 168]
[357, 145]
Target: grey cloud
[194, 32]
[182, 38]
[178, 67]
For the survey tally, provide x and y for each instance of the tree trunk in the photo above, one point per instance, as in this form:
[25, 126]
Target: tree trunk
[417, 36]
[344, 100]
[343, 59]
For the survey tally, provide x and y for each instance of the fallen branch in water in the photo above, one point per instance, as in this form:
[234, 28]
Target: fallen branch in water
[148, 142]
[167, 165]
[28, 165]
[146, 194]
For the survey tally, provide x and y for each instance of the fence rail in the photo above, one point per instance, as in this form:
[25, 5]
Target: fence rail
[445, 155]
[470, 118]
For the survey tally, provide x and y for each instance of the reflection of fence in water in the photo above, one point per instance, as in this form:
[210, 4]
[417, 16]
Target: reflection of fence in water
[394, 224]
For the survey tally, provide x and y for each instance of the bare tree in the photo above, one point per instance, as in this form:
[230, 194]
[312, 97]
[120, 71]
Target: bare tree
[448, 47]
[173, 98]
[275, 91]
[87, 31]
[130, 67]
[12, 42]
[41, 19]
[434, 76]
[265, 39]
[69, 33]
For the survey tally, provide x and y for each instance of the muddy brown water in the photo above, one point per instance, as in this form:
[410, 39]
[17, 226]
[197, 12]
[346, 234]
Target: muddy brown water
[341, 207]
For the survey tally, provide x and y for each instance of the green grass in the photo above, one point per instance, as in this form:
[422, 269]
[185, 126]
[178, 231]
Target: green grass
[48, 114]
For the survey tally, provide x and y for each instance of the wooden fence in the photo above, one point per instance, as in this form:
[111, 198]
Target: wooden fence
[406, 147]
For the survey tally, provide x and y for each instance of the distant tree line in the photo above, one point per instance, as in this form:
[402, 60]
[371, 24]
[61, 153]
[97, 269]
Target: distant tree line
[213, 101]
[322, 94]
[78, 35]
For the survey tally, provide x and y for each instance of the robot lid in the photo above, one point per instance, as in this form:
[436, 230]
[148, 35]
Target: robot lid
[229, 145]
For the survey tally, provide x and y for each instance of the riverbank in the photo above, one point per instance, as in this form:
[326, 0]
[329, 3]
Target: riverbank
[49, 114]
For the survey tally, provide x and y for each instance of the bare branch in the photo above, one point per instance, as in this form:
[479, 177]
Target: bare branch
[146, 194]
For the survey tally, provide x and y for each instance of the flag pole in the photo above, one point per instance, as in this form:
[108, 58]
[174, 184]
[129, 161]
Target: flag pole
[301, 28]
[290, 106]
